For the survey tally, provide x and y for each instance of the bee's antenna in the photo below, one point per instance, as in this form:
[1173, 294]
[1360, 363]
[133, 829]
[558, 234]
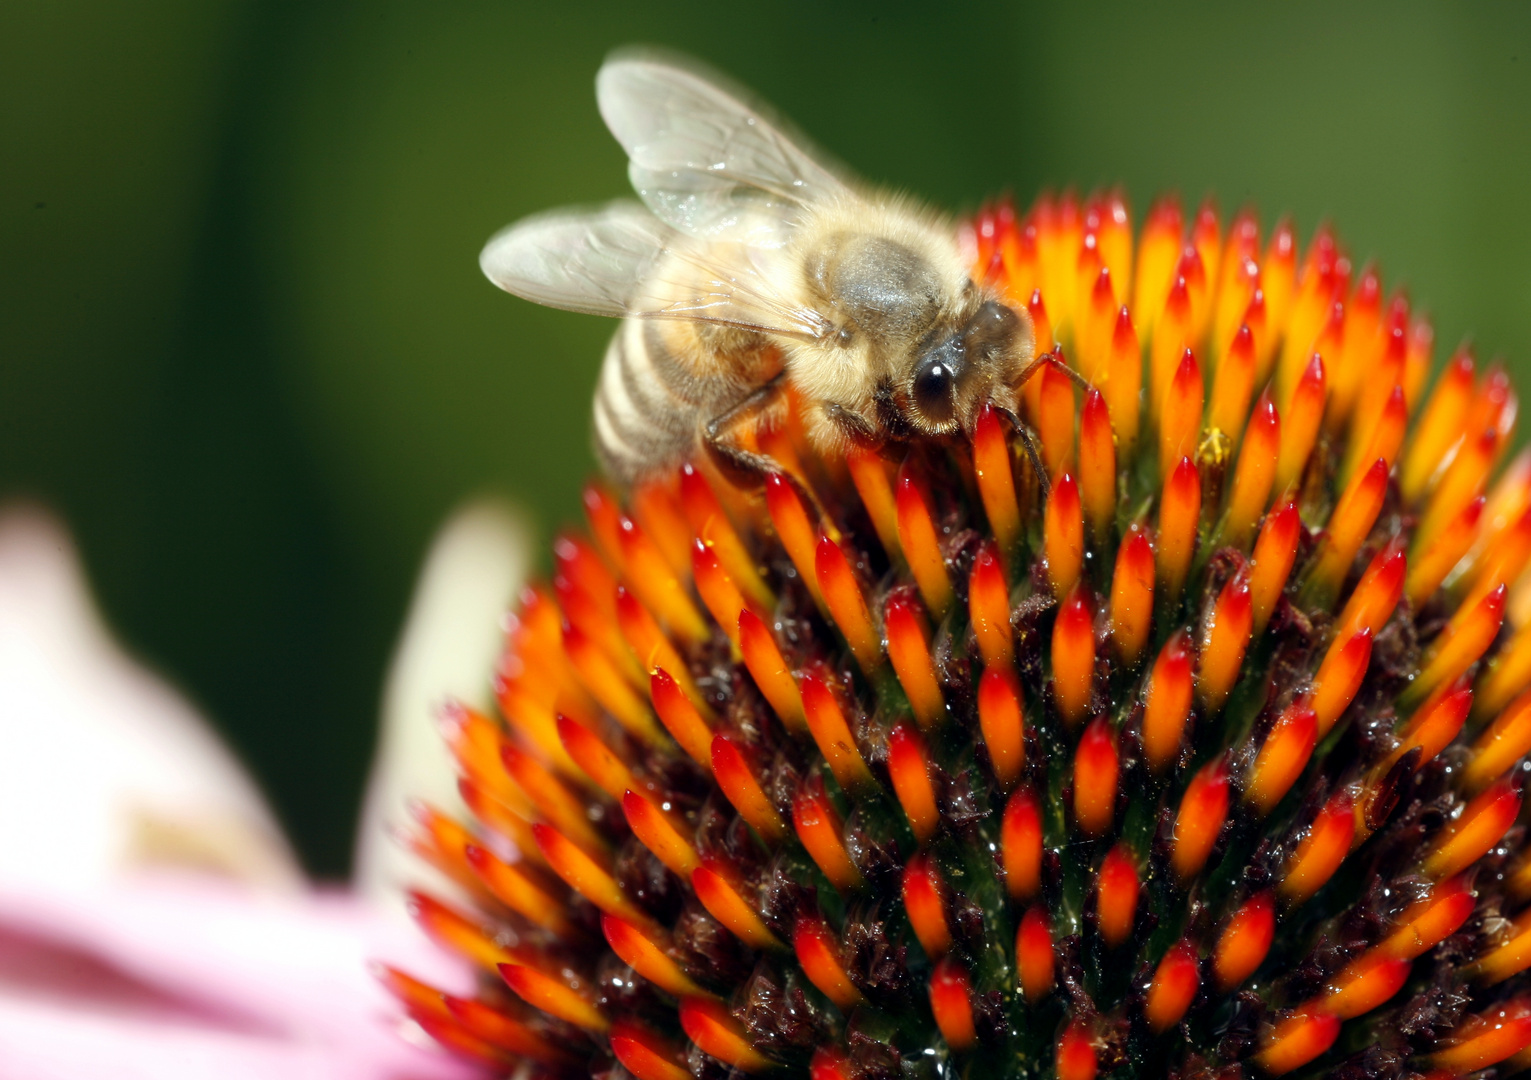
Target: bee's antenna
[1056, 360]
[1031, 369]
[1029, 441]
[1079, 380]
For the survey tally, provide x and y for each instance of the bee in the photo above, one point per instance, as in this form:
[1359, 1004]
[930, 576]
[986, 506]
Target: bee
[751, 265]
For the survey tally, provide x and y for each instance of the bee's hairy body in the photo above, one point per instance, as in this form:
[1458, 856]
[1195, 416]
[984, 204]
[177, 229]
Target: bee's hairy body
[663, 381]
[758, 269]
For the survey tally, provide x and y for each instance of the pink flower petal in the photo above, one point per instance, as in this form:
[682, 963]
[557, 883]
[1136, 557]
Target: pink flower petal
[171, 977]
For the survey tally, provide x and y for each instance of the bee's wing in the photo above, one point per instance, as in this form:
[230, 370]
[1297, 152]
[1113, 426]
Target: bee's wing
[580, 260]
[703, 156]
[620, 260]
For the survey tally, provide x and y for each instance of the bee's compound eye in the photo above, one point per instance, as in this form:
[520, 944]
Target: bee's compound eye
[993, 328]
[934, 383]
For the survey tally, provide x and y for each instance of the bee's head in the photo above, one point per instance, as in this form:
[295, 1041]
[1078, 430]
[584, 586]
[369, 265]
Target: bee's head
[958, 366]
[919, 347]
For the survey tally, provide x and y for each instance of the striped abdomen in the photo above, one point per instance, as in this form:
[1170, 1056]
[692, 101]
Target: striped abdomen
[662, 382]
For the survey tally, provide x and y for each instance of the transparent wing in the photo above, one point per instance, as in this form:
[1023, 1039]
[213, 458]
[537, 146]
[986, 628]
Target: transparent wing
[620, 260]
[579, 260]
[703, 156]
[726, 283]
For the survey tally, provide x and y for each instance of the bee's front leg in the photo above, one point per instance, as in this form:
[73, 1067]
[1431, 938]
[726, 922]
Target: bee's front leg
[855, 428]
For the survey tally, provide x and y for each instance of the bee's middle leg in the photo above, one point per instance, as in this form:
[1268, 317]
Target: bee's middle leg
[750, 468]
[723, 435]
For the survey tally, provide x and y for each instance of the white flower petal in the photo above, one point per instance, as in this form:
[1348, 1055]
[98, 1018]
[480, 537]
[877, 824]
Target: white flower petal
[448, 648]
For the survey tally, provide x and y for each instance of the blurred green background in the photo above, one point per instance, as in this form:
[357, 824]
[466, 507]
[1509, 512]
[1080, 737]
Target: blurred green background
[246, 351]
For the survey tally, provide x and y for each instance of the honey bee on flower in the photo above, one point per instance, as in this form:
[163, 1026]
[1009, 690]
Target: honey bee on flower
[1159, 710]
[752, 267]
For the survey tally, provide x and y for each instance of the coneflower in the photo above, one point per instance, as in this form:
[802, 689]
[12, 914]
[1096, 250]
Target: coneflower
[1171, 727]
